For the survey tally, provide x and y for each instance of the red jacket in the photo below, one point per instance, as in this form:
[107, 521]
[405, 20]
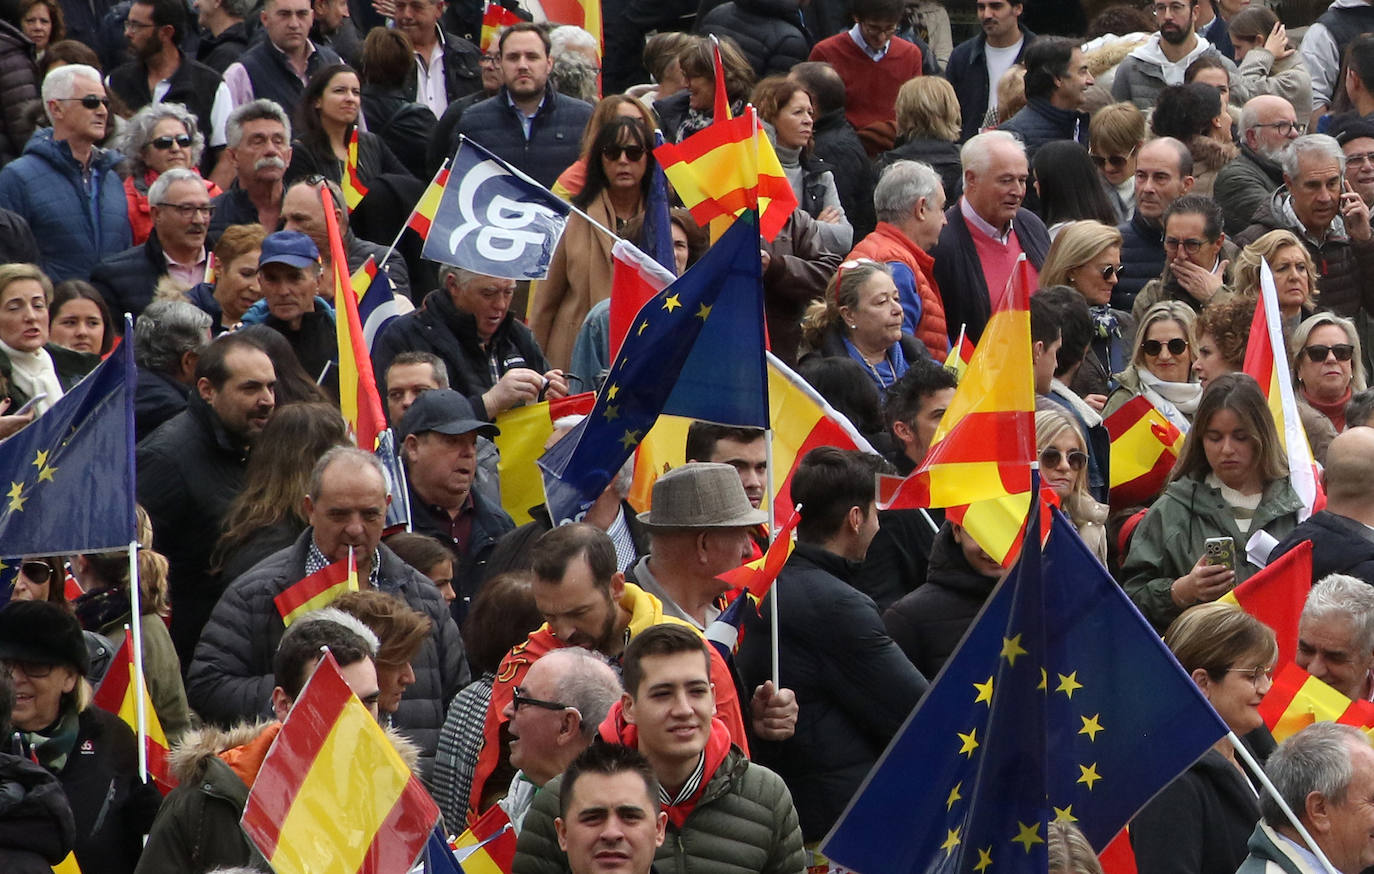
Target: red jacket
[888, 244]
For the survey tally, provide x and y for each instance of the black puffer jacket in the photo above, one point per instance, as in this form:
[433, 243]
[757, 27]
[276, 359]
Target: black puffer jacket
[854, 687]
[554, 139]
[18, 92]
[231, 679]
[441, 328]
[835, 142]
[71, 367]
[1142, 259]
[36, 827]
[1340, 545]
[941, 155]
[1040, 122]
[402, 124]
[768, 32]
[929, 622]
[129, 279]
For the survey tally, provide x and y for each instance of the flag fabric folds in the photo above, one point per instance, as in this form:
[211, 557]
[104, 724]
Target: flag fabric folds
[985, 444]
[333, 793]
[1297, 699]
[425, 208]
[353, 188]
[495, 220]
[757, 577]
[117, 694]
[1276, 595]
[657, 236]
[586, 14]
[524, 431]
[1145, 446]
[1038, 716]
[359, 401]
[1266, 359]
[317, 590]
[67, 479]
[438, 858]
[376, 300]
[495, 17]
[635, 277]
[488, 847]
[689, 321]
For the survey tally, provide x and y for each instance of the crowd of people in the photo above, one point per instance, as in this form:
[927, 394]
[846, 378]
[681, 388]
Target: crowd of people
[1155, 166]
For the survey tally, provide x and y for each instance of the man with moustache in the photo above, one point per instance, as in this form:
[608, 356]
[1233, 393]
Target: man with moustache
[258, 135]
[175, 247]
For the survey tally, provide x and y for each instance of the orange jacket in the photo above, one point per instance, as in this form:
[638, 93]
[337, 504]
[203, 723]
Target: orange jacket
[888, 244]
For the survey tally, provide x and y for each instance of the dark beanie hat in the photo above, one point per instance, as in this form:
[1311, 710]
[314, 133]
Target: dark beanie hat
[42, 632]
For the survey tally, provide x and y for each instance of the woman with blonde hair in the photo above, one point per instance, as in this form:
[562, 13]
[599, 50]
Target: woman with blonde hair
[1295, 274]
[1161, 367]
[861, 319]
[1328, 368]
[31, 367]
[1230, 481]
[928, 122]
[1070, 852]
[1063, 454]
[1086, 256]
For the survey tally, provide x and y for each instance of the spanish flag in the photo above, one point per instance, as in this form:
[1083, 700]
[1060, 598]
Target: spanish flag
[353, 188]
[428, 204]
[489, 846]
[494, 18]
[960, 354]
[1145, 446]
[524, 431]
[1276, 595]
[1266, 360]
[117, 694]
[359, 401]
[333, 794]
[758, 576]
[1298, 699]
[318, 590]
[985, 444]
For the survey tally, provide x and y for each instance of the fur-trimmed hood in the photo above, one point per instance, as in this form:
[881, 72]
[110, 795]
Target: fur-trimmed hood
[1210, 155]
[189, 758]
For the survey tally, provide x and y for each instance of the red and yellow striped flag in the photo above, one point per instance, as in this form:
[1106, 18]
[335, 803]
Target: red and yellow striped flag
[985, 444]
[1298, 699]
[758, 576]
[1145, 446]
[318, 590]
[586, 14]
[960, 354]
[333, 794]
[359, 401]
[489, 846]
[117, 694]
[428, 204]
[494, 18]
[524, 431]
[1276, 595]
[353, 188]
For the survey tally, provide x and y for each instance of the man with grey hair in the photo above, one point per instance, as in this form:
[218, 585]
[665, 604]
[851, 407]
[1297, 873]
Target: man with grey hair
[168, 338]
[985, 233]
[1342, 534]
[258, 137]
[492, 357]
[1325, 774]
[576, 62]
[554, 715]
[231, 675]
[223, 36]
[909, 201]
[1331, 221]
[1336, 636]
[1267, 125]
[302, 209]
[175, 248]
[64, 185]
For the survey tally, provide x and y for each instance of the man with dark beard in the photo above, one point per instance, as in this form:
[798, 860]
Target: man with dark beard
[1166, 55]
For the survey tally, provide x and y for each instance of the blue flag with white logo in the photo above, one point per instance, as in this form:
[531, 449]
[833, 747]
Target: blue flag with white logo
[1061, 704]
[67, 479]
[495, 220]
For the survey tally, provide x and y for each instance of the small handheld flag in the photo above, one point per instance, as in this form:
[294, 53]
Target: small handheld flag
[318, 590]
[117, 695]
[353, 188]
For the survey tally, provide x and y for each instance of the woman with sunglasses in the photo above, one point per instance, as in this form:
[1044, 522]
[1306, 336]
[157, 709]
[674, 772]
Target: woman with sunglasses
[1086, 256]
[1327, 370]
[1115, 135]
[1064, 468]
[1161, 368]
[1201, 822]
[620, 164]
[326, 117]
[158, 137]
[1295, 275]
[39, 579]
[1230, 480]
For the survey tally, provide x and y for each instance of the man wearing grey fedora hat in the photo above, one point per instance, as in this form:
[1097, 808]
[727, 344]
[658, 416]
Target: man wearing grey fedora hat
[699, 525]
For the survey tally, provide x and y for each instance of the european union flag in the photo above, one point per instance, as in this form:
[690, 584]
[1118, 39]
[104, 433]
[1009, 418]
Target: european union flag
[68, 478]
[1061, 703]
[708, 322]
[493, 219]
[437, 857]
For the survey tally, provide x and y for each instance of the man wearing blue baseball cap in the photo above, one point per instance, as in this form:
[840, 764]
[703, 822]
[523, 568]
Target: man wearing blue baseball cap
[290, 272]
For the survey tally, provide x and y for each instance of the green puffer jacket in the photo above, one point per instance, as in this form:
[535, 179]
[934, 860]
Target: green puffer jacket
[744, 822]
[1171, 537]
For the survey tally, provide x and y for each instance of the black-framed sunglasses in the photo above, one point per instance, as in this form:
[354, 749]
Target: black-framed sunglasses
[90, 101]
[1317, 354]
[1176, 346]
[1051, 459]
[164, 143]
[520, 699]
[1111, 270]
[1117, 162]
[38, 571]
[613, 153]
[36, 670]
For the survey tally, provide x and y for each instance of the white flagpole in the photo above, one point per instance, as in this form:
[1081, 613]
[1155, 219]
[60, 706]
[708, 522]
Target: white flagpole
[1283, 805]
[394, 243]
[135, 623]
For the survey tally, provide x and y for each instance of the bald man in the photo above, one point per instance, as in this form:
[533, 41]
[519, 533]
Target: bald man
[1342, 535]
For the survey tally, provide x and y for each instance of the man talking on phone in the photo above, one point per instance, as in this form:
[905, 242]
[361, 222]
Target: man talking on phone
[1317, 205]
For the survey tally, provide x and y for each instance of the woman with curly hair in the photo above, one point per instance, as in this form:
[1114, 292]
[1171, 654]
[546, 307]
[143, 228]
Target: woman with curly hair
[1223, 330]
[160, 136]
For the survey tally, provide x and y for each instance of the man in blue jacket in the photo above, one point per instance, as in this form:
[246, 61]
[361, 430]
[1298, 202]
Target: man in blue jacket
[64, 185]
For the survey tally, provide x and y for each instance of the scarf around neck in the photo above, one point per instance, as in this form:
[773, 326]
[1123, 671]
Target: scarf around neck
[1177, 401]
[34, 373]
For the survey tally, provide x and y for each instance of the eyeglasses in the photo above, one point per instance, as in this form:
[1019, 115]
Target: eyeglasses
[1361, 158]
[1285, 127]
[38, 571]
[613, 153]
[1051, 459]
[491, 59]
[1118, 162]
[520, 699]
[1176, 346]
[165, 143]
[1111, 270]
[189, 210]
[130, 24]
[1317, 354]
[1254, 675]
[35, 670]
[1169, 9]
[886, 29]
[90, 101]
[1191, 246]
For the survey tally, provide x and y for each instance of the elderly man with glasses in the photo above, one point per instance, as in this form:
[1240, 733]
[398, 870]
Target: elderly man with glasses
[1267, 125]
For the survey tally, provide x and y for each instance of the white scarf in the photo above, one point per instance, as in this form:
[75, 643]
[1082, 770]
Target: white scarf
[33, 373]
[1177, 401]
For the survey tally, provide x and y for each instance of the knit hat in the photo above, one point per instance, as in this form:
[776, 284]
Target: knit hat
[42, 632]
